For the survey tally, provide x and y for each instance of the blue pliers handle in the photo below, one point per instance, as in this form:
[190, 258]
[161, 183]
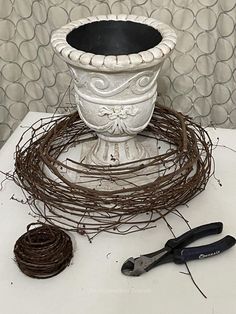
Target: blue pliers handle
[175, 250]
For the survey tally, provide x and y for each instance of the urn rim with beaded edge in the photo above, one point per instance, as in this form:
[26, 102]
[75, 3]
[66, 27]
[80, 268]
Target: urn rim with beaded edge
[111, 63]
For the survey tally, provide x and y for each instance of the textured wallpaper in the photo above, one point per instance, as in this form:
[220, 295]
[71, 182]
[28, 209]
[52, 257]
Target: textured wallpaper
[199, 79]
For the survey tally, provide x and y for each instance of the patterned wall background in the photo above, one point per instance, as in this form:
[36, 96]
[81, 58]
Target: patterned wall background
[198, 79]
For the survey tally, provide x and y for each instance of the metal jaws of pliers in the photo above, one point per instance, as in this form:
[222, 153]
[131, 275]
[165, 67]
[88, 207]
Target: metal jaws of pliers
[139, 265]
[175, 250]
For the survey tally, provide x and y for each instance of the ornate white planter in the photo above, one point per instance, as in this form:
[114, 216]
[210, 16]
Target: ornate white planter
[115, 61]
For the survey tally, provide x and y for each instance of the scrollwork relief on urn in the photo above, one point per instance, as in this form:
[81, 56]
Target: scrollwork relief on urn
[115, 62]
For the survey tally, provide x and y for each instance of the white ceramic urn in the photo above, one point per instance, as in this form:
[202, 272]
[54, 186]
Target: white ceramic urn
[115, 61]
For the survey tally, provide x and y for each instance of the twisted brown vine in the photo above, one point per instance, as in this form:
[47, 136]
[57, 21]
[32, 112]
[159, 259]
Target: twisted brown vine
[182, 171]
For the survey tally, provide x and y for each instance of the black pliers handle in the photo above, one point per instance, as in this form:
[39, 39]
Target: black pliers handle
[175, 250]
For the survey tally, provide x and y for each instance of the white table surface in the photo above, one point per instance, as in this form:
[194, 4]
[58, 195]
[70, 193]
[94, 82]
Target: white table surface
[94, 283]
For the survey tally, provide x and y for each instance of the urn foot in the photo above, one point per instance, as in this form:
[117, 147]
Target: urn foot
[107, 152]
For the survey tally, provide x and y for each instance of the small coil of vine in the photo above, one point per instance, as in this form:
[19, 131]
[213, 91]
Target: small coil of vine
[43, 252]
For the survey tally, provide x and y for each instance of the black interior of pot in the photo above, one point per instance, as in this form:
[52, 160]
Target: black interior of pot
[114, 37]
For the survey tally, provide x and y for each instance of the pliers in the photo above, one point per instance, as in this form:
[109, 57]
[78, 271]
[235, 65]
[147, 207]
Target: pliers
[175, 250]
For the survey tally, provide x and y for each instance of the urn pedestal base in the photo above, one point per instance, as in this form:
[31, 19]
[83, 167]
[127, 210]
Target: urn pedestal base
[106, 151]
[80, 153]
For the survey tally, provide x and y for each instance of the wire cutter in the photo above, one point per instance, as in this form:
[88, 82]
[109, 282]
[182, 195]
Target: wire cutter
[175, 250]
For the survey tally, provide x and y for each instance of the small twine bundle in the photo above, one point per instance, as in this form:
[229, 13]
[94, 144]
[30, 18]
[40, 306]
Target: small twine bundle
[43, 252]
